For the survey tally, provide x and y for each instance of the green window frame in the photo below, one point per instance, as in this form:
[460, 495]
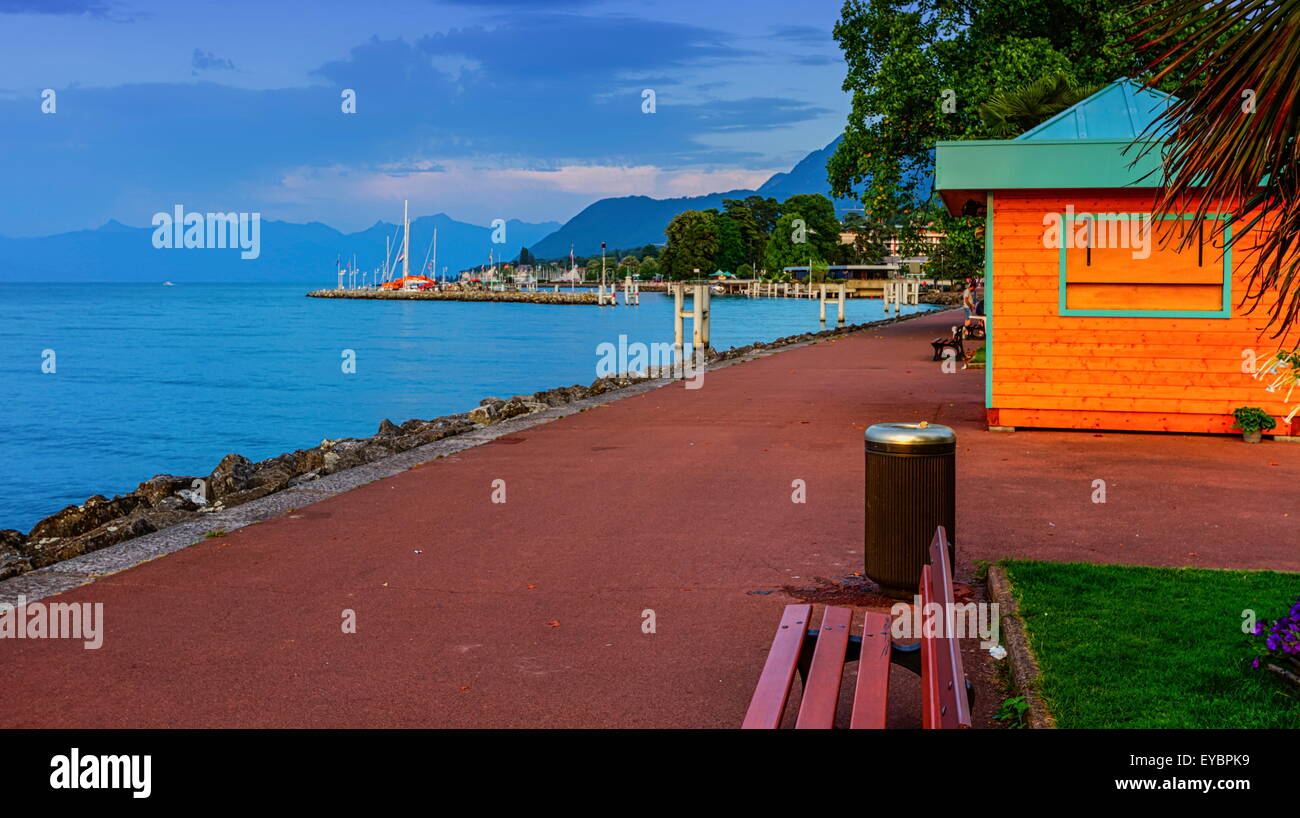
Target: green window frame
[1225, 311]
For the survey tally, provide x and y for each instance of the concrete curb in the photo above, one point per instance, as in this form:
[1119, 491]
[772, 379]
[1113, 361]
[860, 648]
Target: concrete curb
[68, 574]
[1024, 669]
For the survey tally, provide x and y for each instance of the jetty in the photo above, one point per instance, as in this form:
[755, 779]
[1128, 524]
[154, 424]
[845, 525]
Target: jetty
[511, 296]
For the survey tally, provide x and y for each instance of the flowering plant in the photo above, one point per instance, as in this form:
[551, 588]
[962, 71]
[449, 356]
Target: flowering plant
[1282, 642]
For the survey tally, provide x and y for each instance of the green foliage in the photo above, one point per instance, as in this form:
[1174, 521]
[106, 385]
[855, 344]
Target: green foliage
[692, 245]
[731, 245]
[1013, 712]
[1008, 114]
[744, 271]
[649, 268]
[1252, 419]
[919, 70]
[788, 245]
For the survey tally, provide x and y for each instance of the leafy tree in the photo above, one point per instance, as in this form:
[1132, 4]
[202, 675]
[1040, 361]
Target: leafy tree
[525, 257]
[692, 244]
[789, 245]
[822, 227]
[649, 268]
[731, 245]
[1008, 114]
[744, 271]
[650, 250]
[918, 71]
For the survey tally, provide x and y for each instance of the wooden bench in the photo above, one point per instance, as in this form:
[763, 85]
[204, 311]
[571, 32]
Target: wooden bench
[819, 655]
[957, 340]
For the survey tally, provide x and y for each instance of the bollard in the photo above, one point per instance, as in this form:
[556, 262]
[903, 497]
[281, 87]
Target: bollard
[911, 490]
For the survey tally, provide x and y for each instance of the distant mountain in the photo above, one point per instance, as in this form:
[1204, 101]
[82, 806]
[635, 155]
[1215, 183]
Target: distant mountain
[289, 252]
[634, 221]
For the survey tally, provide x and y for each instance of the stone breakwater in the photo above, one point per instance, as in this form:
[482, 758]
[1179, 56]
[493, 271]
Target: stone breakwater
[538, 297]
[165, 500]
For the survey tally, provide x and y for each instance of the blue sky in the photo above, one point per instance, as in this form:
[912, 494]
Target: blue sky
[486, 109]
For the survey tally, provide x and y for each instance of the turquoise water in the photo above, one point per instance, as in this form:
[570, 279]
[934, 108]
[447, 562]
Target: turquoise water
[151, 379]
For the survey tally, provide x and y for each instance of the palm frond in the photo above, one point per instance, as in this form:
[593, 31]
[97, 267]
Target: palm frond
[1230, 142]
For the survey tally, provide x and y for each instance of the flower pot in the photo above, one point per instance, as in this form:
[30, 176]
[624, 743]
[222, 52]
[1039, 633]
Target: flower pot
[1252, 437]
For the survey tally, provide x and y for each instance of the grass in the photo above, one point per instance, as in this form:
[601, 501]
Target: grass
[980, 355]
[1127, 646]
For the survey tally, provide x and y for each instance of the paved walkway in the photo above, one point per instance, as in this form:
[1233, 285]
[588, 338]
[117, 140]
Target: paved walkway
[529, 613]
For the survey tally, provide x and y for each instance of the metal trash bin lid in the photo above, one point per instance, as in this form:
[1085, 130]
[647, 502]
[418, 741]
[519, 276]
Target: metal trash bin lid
[911, 438]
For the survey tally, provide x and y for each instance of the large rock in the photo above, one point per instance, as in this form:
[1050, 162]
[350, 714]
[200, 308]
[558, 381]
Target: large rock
[47, 551]
[76, 520]
[12, 560]
[234, 474]
[160, 491]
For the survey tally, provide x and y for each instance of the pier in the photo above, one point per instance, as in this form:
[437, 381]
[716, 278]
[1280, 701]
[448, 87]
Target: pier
[511, 296]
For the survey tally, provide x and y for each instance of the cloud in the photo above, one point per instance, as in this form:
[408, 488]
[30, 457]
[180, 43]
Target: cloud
[92, 8]
[207, 61]
[807, 35]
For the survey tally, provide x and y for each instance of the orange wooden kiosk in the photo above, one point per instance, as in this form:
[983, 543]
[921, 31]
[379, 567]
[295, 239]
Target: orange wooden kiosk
[1093, 322]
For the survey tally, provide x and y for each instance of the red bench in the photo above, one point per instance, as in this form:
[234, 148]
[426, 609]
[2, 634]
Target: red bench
[819, 655]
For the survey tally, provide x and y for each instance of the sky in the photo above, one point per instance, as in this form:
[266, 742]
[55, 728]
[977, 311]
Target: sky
[482, 109]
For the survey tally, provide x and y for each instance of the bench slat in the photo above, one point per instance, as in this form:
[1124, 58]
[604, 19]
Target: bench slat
[768, 705]
[871, 698]
[944, 702]
[822, 692]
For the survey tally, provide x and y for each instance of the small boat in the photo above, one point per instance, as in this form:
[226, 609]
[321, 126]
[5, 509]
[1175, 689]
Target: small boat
[168, 284]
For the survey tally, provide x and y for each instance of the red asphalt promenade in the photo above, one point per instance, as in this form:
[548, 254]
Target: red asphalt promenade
[529, 613]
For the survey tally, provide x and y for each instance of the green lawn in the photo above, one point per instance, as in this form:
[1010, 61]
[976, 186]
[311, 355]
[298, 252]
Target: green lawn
[1126, 646]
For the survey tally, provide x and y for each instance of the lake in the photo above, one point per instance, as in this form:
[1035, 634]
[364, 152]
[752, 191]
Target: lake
[149, 379]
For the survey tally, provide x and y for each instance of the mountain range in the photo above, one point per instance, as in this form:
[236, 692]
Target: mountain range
[289, 252]
[629, 222]
[308, 252]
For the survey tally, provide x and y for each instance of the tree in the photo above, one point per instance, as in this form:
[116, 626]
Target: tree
[822, 228]
[525, 257]
[918, 71]
[649, 251]
[692, 244]
[731, 245]
[1008, 114]
[649, 268]
[1218, 148]
[789, 245]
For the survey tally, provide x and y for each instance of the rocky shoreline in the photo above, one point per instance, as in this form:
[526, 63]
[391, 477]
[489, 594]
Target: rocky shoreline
[538, 297]
[166, 500]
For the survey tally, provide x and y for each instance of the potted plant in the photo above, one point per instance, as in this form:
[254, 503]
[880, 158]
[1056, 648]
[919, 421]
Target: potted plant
[1252, 421]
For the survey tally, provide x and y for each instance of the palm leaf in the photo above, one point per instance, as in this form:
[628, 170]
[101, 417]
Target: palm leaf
[1230, 142]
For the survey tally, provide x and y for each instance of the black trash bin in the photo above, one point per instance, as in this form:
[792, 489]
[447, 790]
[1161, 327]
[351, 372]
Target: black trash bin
[911, 490]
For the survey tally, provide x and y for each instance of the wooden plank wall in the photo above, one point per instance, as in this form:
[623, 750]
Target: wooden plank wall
[1149, 374]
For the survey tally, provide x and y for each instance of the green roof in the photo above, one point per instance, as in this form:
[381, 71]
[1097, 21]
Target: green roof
[1091, 144]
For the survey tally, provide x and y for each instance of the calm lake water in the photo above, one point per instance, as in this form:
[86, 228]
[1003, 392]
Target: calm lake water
[152, 379]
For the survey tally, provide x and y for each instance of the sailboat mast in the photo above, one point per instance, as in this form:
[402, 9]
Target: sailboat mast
[406, 238]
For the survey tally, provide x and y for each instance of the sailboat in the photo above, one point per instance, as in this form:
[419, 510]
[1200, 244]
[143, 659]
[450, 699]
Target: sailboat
[408, 281]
